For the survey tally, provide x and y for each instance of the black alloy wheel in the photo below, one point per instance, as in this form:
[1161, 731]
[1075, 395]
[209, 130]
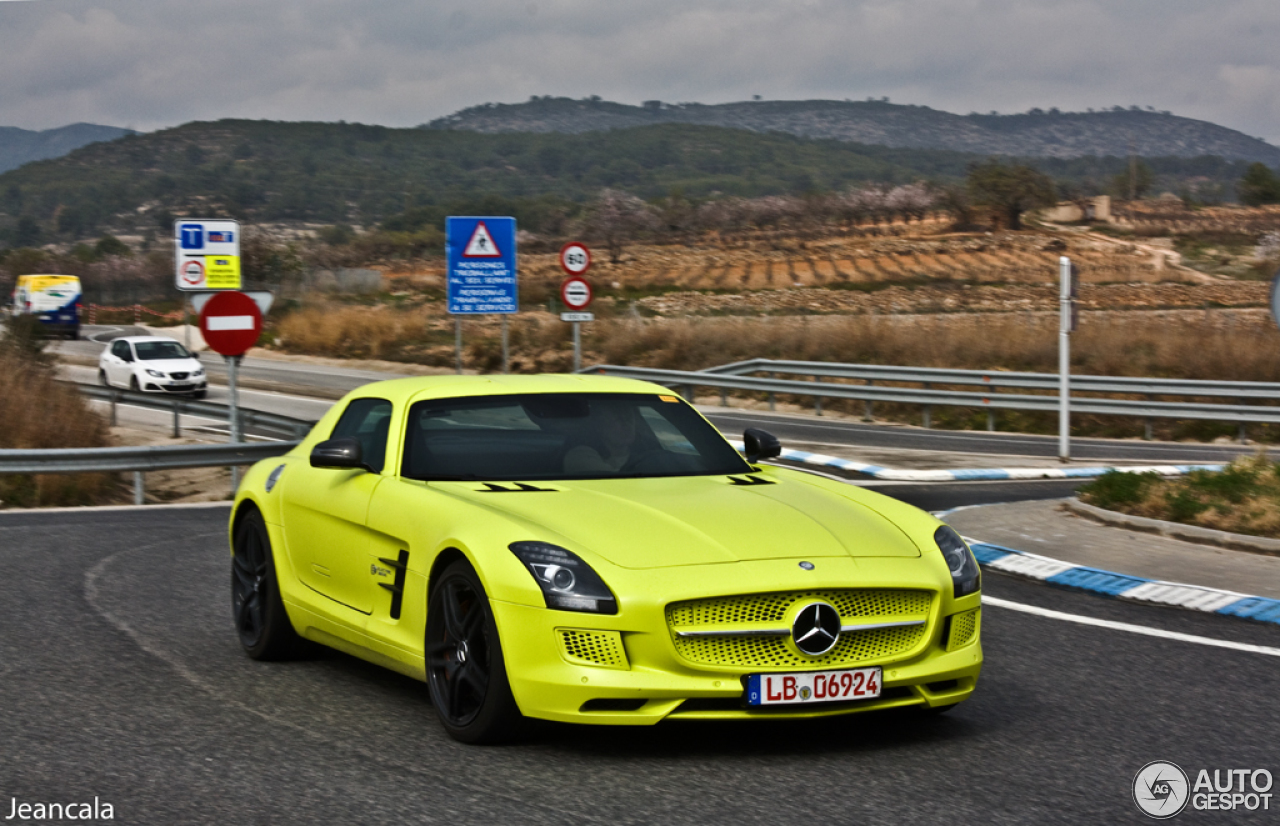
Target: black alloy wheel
[466, 675]
[256, 608]
[133, 384]
[102, 378]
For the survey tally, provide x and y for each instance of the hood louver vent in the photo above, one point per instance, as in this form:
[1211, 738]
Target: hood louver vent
[516, 487]
[750, 480]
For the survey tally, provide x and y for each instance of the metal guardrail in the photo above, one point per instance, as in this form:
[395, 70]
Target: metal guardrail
[998, 378]
[294, 428]
[140, 460]
[728, 378]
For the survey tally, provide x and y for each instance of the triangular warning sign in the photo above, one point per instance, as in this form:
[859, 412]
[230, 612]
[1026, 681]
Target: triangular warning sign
[481, 244]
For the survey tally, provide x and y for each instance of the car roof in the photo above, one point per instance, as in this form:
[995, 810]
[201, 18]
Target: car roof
[416, 388]
[145, 338]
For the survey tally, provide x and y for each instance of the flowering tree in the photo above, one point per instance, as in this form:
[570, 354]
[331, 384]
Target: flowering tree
[616, 217]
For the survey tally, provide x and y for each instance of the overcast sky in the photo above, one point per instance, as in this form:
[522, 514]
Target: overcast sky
[149, 64]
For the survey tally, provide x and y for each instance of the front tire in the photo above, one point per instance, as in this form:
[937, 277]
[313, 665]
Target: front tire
[133, 385]
[466, 673]
[258, 612]
[102, 378]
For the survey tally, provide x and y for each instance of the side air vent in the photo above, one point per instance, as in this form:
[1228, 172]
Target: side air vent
[747, 481]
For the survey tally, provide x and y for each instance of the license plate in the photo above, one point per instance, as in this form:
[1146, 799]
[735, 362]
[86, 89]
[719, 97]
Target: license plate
[181, 386]
[813, 687]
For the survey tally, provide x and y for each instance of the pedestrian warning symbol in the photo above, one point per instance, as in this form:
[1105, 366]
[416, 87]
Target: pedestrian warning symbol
[481, 244]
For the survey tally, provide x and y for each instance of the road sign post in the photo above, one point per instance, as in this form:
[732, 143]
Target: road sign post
[480, 255]
[575, 292]
[207, 254]
[231, 323]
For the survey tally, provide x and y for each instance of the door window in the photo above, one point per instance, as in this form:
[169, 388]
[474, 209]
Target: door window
[368, 420]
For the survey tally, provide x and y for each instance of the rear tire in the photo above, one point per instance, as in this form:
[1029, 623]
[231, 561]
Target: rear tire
[466, 673]
[261, 621]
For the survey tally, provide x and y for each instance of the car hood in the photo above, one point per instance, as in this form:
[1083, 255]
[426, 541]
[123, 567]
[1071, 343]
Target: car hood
[656, 523]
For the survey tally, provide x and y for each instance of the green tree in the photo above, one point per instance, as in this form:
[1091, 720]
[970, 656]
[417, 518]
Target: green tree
[1010, 190]
[1135, 182]
[1258, 186]
[28, 232]
[111, 245]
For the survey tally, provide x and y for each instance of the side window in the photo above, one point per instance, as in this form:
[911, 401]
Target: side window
[368, 420]
[120, 350]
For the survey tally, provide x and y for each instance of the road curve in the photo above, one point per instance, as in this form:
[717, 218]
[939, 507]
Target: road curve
[120, 678]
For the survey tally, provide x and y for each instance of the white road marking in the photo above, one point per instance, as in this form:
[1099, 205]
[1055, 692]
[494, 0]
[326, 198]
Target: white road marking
[1132, 629]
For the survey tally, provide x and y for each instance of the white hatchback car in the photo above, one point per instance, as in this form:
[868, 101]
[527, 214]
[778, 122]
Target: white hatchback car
[152, 364]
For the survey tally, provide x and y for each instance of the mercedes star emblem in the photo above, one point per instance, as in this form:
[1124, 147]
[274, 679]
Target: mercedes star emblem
[816, 628]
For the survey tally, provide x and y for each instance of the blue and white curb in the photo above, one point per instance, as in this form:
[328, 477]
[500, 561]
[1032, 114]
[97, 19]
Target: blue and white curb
[975, 474]
[1124, 586]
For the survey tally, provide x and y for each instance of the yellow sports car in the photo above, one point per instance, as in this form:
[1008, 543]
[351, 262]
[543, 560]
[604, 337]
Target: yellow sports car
[591, 550]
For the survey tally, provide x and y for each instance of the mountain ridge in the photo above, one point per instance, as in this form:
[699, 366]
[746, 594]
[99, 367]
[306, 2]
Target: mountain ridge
[1037, 133]
[20, 146]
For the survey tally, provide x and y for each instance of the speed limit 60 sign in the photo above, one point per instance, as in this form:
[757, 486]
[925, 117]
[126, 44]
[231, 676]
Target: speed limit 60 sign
[575, 259]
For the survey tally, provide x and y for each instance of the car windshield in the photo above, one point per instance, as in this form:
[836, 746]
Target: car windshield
[548, 436]
[153, 350]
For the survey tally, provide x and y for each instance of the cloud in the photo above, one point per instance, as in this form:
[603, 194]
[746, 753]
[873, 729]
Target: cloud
[152, 63]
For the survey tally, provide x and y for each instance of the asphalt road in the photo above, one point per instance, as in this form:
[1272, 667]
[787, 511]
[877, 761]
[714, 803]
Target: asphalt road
[120, 678]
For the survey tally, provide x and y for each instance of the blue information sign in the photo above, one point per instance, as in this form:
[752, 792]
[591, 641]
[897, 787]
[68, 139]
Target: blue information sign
[481, 254]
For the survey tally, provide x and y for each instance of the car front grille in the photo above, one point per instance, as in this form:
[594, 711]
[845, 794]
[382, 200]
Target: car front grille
[737, 616]
[178, 376]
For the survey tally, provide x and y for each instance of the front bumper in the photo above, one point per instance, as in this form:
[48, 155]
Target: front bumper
[174, 387]
[650, 681]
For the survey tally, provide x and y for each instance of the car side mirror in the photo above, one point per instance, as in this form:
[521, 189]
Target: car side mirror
[195, 356]
[339, 453]
[760, 444]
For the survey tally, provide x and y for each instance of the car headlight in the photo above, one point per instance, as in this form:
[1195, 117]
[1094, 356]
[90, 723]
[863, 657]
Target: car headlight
[155, 373]
[965, 574]
[566, 581]
[199, 372]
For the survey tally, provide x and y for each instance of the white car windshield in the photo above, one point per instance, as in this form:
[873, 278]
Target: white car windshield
[546, 436]
[155, 350]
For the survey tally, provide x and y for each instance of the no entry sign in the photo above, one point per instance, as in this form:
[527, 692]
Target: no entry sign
[576, 293]
[231, 323]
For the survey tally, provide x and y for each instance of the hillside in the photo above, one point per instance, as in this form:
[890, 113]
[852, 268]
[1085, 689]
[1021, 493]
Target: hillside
[1049, 134]
[19, 146]
[327, 173]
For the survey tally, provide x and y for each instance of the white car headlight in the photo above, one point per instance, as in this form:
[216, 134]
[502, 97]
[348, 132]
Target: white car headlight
[155, 373]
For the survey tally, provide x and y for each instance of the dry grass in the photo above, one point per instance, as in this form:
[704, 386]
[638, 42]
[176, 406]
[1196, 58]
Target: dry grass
[36, 412]
[1244, 498]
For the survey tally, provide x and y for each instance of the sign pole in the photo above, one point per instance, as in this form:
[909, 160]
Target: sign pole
[506, 355]
[457, 342]
[234, 412]
[577, 347]
[1064, 359]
